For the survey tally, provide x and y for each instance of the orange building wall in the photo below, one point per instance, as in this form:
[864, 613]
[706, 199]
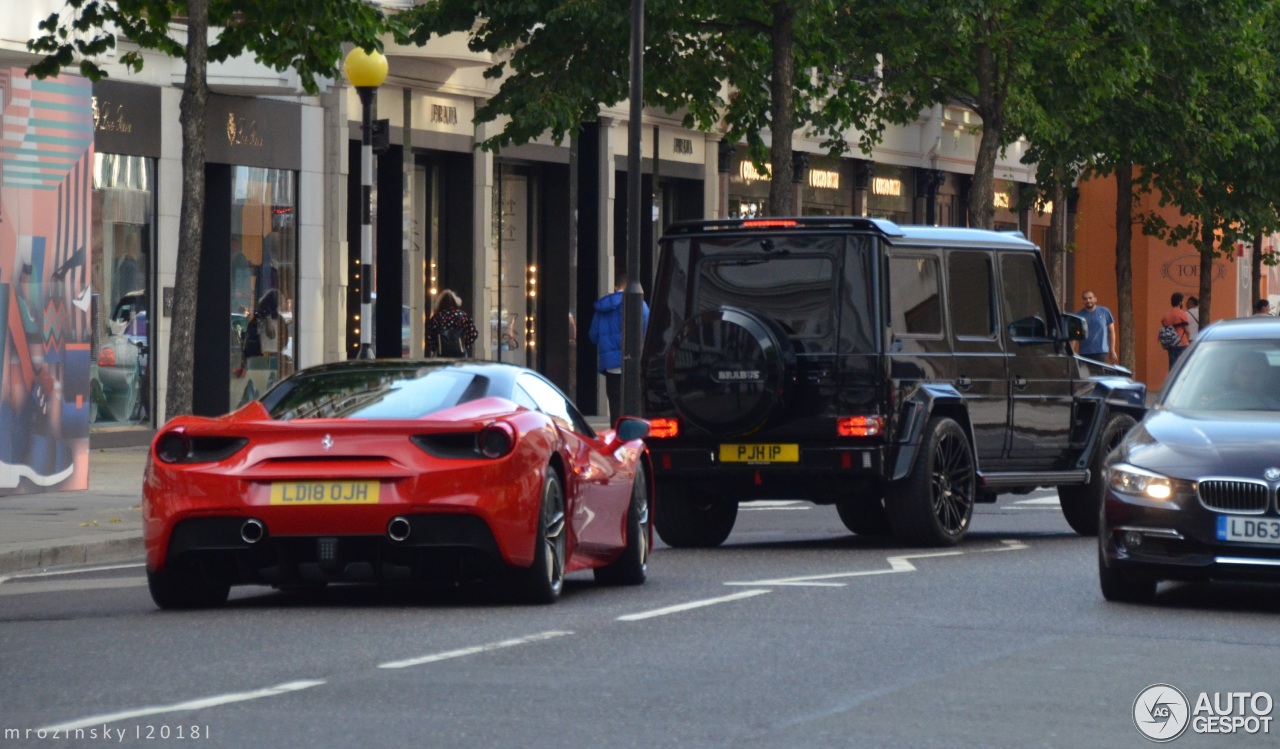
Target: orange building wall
[1158, 270]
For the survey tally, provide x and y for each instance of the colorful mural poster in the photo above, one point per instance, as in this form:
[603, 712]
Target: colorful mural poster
[46, 160]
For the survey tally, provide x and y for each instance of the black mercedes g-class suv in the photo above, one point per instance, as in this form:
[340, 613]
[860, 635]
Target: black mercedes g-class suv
[901, 373]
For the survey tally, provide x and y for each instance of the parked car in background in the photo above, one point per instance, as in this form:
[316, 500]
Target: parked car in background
[395, 470]
[901, 373]
[1192, 491]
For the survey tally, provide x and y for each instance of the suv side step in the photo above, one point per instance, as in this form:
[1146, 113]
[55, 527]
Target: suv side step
[1034, 478]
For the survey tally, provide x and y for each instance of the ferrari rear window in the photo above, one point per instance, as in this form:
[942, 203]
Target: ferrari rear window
[373, 394]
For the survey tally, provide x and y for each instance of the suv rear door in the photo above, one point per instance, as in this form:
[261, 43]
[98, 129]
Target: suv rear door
[981, 370]
[1040, 365]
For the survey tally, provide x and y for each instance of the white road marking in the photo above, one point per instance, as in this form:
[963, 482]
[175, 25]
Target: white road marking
[62, 586]
[473, 650]
[771, 504]
[50, 573]
[691, 605]
[896, 564]
[199, 704]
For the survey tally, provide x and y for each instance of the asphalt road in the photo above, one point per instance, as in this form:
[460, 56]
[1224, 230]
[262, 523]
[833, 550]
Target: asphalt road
[793, 634]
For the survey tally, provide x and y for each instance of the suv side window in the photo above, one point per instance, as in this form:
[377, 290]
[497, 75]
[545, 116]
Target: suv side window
[915, 296]
[970, 282]
[1026, 311]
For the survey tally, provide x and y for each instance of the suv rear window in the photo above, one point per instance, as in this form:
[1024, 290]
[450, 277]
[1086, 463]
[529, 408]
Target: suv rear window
[794, 280]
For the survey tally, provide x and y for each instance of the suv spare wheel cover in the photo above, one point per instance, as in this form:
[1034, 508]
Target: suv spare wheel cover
[727, 370]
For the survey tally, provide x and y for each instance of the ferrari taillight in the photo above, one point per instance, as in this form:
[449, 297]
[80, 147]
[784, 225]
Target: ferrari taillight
[664, 427]
[859, 426]
[496, 440]
[172, 447]
[178, 447]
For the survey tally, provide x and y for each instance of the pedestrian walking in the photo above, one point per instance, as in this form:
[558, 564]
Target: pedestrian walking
[1178, 319]
[450, 331]
[606, 334]
[1262, 308]
[1099, 342]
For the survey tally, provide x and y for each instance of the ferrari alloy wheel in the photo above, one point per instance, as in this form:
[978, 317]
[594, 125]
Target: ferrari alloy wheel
[632, 566]
[180, 586]
[1082, 503]
[933, 505]
[543, 581]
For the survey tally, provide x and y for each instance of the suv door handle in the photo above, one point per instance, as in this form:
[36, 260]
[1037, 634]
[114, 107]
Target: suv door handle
[963, 382]
[1020, 382]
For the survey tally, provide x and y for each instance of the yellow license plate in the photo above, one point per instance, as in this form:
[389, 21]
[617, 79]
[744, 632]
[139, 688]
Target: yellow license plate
[759, 453]
[324, 493]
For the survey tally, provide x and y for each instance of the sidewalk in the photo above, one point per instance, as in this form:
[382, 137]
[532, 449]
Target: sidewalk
[100, 524]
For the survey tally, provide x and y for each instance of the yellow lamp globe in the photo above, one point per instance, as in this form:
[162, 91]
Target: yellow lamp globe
[365, 69]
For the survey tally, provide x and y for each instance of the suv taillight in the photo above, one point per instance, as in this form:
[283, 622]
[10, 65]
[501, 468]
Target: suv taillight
[664, 428]
[768, 223]
[859, 426]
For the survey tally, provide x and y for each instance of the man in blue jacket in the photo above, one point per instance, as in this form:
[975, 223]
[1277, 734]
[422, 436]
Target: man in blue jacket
[606, 334]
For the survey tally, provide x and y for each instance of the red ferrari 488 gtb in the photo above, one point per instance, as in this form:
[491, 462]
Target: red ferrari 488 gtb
[396, 470]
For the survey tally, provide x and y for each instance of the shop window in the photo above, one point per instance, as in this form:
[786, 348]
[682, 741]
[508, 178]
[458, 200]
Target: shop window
[264, 261]
[121, 279]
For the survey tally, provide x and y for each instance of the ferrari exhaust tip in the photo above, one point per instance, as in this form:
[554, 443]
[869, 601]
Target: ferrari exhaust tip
[398, 529]
[252, 531]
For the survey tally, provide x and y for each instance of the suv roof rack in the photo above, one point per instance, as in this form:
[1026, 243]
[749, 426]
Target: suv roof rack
[860, 223]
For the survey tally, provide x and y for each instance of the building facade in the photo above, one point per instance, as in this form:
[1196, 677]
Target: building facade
[529, 237]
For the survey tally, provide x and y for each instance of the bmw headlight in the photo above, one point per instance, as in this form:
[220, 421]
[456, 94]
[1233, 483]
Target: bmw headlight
[1127, 479]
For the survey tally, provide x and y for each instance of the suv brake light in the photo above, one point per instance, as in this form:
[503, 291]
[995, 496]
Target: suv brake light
[663, 427]
[859, 426]
[767, 223]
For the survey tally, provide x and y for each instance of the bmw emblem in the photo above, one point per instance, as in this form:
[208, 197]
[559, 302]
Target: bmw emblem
[327, 443]
[1271, 474]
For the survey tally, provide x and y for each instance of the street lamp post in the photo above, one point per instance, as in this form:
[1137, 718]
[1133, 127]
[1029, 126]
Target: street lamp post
[633, 296]
[366, 71]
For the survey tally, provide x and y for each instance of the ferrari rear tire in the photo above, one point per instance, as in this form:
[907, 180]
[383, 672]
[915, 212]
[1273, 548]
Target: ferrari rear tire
[543, 581]
[632, 567]
[1119, 587]
[180, 586]
[1082, 503]
[687, 519]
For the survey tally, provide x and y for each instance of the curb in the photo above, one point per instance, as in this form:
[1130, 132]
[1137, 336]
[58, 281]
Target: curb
[57, 554]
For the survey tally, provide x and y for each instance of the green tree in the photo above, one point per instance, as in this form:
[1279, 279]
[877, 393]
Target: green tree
[745, 68]
[303, 35]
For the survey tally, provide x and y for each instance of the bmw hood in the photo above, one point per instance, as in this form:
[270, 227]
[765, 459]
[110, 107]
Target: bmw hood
[1194, 444]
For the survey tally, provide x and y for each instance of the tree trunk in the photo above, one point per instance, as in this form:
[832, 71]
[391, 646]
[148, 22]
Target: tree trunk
[1208, 233]
[1056, 246]
[782, 110]
[195, 95]
[990, 107]
[1255, 272]
[1124, 264]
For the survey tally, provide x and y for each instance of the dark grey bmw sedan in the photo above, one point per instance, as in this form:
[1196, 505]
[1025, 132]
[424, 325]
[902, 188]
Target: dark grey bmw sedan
[1191, 492]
